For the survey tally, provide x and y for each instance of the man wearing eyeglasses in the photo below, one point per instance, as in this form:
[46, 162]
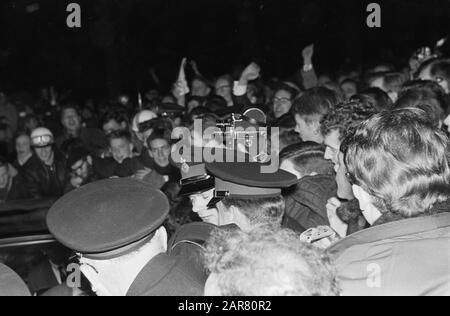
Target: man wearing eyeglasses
[46, 173]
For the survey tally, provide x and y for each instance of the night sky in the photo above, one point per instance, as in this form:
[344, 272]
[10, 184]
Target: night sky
[121, 39]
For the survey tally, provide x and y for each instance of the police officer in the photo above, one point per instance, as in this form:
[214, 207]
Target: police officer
[239, 192]
[246, 196]
[116, 228]
[196, 183]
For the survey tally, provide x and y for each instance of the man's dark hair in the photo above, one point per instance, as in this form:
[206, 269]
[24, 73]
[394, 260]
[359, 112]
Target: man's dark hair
[160, 133]
[394, 81]
[259, 211]
[441, 69]
[376, 98]
[71, 106]
[117, 115]
[428, 89]
[292, 90]
[120, 135]
[308, 158]
[345, 117]
[315, 102]
[418, 93]
[201, 79]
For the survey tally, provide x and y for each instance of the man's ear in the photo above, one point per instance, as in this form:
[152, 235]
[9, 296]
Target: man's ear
[123, 125]
[89, 160]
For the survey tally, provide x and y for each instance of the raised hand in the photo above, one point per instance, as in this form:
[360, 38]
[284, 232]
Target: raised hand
[252, 72]
[335, 222]
[194, 66]
[308, 53]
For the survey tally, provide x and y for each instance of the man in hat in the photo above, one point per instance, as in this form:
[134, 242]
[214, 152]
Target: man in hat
[142, 127]
[46, 173]
[247, 197]
[116, 228]
[198, 185]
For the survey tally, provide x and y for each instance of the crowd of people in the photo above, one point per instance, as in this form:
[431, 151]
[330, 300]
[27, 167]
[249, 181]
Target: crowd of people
[358, 206]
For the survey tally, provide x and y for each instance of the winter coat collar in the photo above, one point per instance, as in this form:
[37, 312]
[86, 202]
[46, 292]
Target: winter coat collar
[389, 228]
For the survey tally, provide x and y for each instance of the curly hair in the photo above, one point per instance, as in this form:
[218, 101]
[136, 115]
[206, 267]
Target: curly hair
[268, 261]
[399, 158]
[345, 117]
[116, 114]
[376, 97]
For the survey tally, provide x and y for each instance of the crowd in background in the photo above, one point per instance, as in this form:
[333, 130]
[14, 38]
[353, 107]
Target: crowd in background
[51, 143]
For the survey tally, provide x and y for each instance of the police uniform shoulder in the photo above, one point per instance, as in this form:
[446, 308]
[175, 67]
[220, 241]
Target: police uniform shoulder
[195, 233]
[105, 218]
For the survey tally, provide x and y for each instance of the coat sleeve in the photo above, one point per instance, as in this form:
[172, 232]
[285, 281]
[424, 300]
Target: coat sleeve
[309, 79]
[32, 183]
